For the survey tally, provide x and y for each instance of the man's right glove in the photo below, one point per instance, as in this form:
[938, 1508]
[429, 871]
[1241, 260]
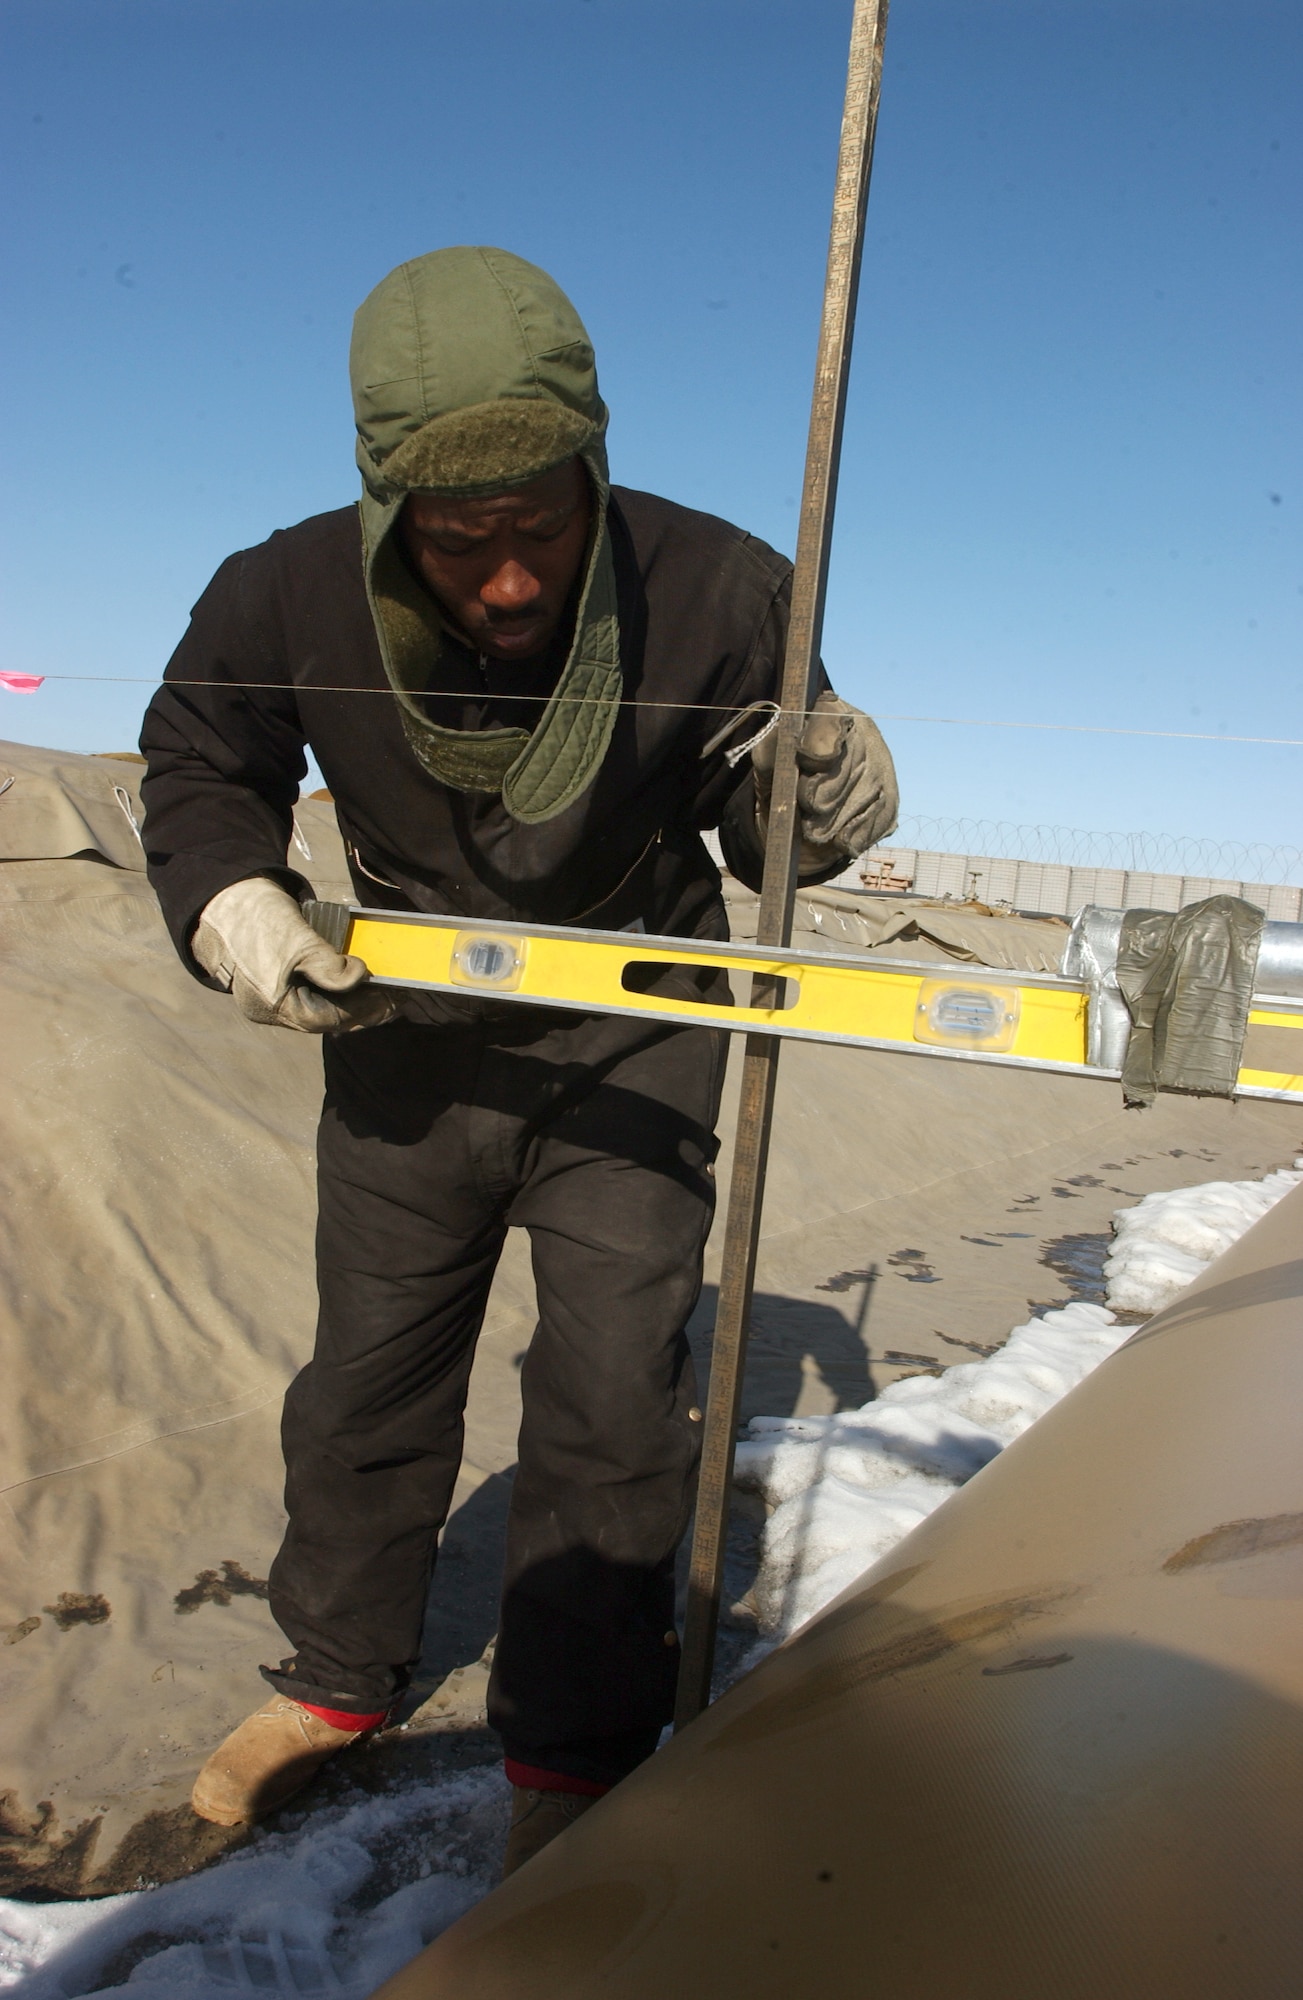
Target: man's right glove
[252, 939]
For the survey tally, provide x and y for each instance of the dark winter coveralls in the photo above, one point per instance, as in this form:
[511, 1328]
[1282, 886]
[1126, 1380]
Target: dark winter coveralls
[445, 1127]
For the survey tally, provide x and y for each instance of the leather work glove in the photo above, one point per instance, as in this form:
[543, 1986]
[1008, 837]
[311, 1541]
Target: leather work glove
[845, 787]
[252, 939]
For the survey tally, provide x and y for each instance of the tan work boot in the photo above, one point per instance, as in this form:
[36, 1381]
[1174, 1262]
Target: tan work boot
[264, 1762]
[537, 1818]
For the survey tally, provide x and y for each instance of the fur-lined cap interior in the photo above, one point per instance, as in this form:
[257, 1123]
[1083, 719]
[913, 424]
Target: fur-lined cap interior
[487, 447]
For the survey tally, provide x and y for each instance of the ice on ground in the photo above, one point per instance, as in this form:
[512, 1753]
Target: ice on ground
[846, 1488]
[1168, 1240]
[333, 1908]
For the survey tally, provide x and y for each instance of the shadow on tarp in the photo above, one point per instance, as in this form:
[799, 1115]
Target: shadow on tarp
[792, 1340]
[461, 1616]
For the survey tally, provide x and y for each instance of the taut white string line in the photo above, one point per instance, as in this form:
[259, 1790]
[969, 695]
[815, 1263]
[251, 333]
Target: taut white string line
[699, 707]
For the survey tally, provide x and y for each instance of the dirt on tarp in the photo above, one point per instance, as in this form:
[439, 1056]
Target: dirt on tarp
[156, 1295]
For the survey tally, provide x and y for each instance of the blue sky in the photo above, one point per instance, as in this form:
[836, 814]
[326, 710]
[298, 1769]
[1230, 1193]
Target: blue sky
[1070, 489]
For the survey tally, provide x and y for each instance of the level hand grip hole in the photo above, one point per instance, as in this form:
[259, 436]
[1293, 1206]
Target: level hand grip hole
[709, 985]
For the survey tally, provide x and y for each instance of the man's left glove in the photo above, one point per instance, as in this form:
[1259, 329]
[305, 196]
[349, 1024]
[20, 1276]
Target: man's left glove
[252, 939]
[846, 783]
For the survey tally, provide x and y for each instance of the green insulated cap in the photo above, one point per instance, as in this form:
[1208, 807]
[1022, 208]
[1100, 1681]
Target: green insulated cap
[472, 373]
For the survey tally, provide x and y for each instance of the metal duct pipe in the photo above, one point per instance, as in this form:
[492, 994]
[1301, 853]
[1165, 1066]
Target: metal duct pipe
[1091, 955]
[1051, 1744]
[1280, 961]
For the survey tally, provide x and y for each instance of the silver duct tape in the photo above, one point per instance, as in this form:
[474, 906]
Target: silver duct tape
[1091, 956]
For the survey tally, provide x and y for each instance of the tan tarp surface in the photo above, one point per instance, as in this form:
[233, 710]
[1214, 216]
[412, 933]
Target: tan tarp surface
[156, 1212]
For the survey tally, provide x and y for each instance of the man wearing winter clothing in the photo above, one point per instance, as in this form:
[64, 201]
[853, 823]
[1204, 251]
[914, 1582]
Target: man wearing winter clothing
[510, 675]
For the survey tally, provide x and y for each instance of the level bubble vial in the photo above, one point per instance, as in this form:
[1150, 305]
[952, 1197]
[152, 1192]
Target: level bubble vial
[967, 1016]
[480, 958]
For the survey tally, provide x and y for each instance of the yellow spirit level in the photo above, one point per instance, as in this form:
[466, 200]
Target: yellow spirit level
[977, 1014]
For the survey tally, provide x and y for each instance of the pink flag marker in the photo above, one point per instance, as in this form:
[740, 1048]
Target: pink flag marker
[21, 683]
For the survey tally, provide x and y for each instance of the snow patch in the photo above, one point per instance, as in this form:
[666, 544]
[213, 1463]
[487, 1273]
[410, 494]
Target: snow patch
[846, 1488]
[1168, 1240]
[332, 1908]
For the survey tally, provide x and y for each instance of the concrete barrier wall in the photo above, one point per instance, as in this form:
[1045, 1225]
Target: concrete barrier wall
[1051, 888]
